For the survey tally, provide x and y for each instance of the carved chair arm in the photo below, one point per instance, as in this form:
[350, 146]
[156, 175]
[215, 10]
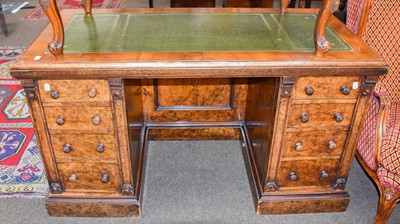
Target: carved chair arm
[373, 130]
[382, 122]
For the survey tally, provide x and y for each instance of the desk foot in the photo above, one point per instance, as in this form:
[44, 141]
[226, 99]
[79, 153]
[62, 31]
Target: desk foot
[311, 203]
[92, 207]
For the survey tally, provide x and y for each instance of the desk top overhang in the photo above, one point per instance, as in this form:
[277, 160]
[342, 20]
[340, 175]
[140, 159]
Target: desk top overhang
[283, 53]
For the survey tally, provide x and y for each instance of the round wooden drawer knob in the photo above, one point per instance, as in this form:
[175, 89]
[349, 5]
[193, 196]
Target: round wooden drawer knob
[304, 118]
[345, 90]
[60, 120]
[293, 176]
[324, 174]
[309, 91]
[54, 94]
[92, 93]
[105, 178]
[332, 145]
[100, 148]
[73, 178]
[298, 147]
[67, 148]
[96, 120]
[339, 117]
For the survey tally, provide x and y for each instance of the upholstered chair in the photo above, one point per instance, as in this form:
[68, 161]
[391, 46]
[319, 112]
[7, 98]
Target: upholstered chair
[378, 150]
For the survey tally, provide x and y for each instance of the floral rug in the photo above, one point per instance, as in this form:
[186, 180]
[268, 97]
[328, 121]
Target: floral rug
[38, 12]
[21, 167]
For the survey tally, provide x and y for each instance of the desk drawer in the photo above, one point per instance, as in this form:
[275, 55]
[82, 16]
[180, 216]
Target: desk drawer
[83, 177]
[321, 114]
[74, 90]
[314, 143]
[327, 88]
[308, 173]
[76, 146]
[80, 118]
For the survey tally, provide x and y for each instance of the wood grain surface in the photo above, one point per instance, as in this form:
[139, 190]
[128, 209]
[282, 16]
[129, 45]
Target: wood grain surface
[358, 62]
[314, 143]
[305, 204]
[308, 173]
[89, 177]
[321, 114]
[328, 88]
[74, 91]
[192, 94]
[199, 95]
[194, 133]
[200, 104]
[84, 147]
[80, 118]
[85, 207]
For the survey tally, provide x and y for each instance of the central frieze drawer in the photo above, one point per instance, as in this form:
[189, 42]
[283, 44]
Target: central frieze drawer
[52, 91]
[89, 176]
[314, 143]
[321, 114]
[77, 146]
[79, 118]
[308, 173]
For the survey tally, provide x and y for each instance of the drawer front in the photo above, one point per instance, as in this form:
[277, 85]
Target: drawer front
[74, 90]
[89, 177]
[314, 143]
[308, 173]
[308, 115]
[327, 88]
[79, 118]
[75, 146]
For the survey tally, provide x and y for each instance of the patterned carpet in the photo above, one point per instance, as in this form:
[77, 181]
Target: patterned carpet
[21, 167]
[38, 12]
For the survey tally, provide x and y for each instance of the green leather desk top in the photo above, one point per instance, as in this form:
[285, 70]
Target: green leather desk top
[194, 32]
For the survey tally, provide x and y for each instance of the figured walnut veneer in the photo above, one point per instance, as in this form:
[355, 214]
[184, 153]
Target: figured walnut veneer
[297, 115]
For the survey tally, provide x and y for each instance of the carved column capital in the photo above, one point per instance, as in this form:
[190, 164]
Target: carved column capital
[368, 85]
[127, 190]
[116, 88]
[30, 87]
[340, 184]
[287, 83]
[55, 188]
[271, 186]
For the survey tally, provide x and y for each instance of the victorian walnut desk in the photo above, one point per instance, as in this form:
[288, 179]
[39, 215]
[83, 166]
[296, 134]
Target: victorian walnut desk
[127, 76]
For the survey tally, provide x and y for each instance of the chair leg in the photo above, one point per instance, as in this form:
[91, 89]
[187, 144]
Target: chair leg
[308, 4]
[3, 24]
[387, 201]
[301, 3]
